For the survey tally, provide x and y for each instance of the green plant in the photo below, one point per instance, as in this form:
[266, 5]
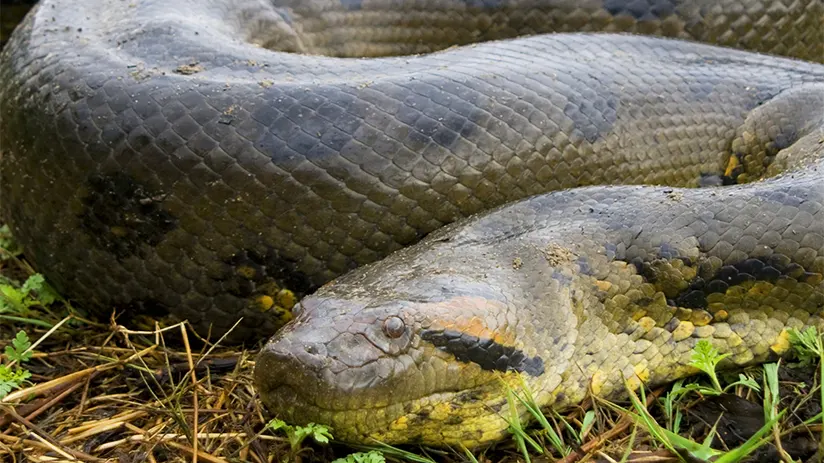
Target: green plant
[808, 346]
[297, 434]
[679, 445]
[519, 434]
[11, 375]
[387, 449]
[528, 401]
[35, 291]
[373, 456]
[706, 358]
[586, 425]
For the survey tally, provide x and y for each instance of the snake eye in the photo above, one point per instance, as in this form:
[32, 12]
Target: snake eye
[394, 327]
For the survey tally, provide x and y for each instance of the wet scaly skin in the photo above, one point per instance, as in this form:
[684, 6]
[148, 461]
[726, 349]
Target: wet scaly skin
[216, 179]
[569, 291]
[576, 308]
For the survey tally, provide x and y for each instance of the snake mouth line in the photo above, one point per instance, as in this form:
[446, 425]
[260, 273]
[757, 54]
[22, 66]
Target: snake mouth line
[286, 395]
[289, 401]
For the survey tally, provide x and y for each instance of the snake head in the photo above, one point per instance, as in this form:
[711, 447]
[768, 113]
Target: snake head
[426, 363]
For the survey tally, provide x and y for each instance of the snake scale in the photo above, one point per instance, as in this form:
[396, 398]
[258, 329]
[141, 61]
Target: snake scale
[220, 159]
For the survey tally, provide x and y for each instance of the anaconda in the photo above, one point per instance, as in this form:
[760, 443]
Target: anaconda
[203, 157]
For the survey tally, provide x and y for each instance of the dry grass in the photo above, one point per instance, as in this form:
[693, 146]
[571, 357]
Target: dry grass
[114, 394]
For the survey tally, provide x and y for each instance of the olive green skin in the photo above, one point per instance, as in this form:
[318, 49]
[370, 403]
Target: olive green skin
[602, 288]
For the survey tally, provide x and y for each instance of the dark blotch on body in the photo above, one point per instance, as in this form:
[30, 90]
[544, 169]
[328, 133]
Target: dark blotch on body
[121, 215]
[252, 273]
[641, 9]
[352, 5]
[485, 352]
[769, 269]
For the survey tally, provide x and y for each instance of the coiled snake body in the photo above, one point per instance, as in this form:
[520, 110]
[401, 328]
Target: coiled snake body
[157, 155]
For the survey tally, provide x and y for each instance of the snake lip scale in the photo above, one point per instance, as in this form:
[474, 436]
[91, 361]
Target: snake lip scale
[218, 161]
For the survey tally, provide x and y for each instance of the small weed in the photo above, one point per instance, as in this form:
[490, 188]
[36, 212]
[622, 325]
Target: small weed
[808, 346]
[469, 455]
[519, 434]
[665, 437]
[706, 358]
[387, 449]
[372, 456]
[297, 434]
[18, 299]
[679, 445]
[12, 376]
[586, 425]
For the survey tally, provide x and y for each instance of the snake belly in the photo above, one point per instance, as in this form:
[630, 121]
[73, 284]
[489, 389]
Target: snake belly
[216, 159]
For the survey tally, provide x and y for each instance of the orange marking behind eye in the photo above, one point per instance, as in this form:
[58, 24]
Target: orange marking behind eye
[456, 317]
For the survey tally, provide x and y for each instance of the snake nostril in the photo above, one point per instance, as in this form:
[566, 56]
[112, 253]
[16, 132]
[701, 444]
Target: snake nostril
[311, 349]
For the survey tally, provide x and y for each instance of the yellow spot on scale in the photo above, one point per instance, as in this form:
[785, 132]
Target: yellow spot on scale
[641, 372]
[283, 314]
[441, 411]
[264, 303]
[246, 272]
[400, 424]
[603, 285]
[734, 340]
[732, 165]
[700, 317]
[646, 323]
[760, 289]
[597, 382]
[633, 383]
[286, 299]
[683, 331]
[782, 343]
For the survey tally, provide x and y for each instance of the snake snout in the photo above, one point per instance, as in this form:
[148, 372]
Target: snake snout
[325, 360]
[283, 364]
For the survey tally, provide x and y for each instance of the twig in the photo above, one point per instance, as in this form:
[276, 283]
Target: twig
[195, 440]
[39, 433]
[196, 453]
[599, 440]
